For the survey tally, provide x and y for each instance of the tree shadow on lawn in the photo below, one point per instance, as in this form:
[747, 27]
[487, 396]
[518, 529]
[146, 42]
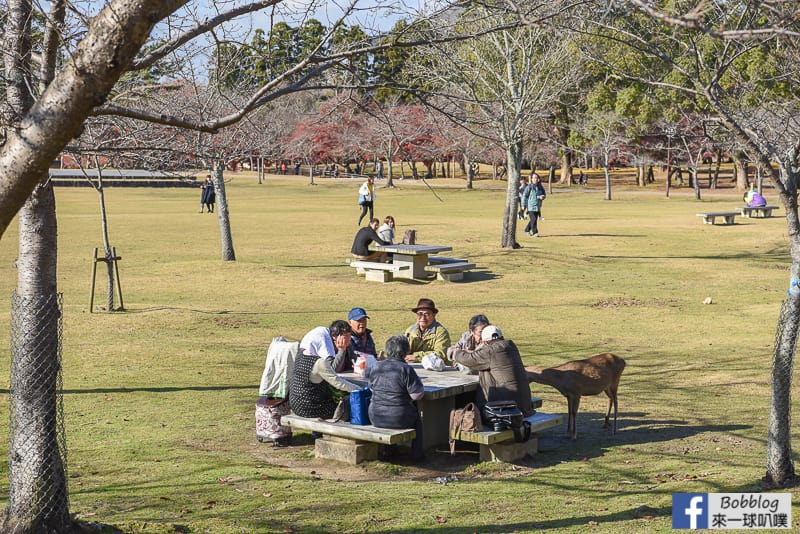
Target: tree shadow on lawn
[593, 235]
[164, 389]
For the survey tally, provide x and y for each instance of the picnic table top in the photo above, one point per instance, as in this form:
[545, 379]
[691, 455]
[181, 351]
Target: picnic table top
[438, 384]
[411, 250]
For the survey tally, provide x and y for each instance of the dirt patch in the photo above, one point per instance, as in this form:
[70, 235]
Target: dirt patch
[624, 302]
[438, 466]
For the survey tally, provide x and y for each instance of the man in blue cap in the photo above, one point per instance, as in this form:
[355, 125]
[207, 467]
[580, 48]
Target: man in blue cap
[360, 342]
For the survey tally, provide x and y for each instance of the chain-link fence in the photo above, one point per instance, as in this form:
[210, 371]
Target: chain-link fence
[37, 445]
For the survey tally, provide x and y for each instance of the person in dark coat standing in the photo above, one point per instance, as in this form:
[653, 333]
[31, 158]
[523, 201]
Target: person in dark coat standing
[209, 196]
[501, 373]
[395, 386]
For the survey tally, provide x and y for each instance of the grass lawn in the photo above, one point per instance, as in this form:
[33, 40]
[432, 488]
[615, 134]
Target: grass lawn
[159, 400]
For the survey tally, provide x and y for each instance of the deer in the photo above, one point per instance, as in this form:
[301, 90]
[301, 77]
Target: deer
[591, 376]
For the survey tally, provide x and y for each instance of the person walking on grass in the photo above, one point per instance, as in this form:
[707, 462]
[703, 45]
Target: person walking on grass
[534, 196]
[366, 198]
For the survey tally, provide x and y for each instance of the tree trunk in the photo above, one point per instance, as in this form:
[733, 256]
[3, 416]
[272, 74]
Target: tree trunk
[228, 253]
[608, 181]
[514, 164]
[389, 179]
[551, 176]
[566, 167]
[780, 468]
[470, 171]
[107, 249]
[740, 170]
[696, 182]
[38, 499]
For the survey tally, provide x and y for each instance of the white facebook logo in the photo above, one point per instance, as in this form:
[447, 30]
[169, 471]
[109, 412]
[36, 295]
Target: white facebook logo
[693, 511]
[689, 510]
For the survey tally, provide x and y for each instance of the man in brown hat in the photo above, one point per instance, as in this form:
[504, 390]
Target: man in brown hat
[427, 334]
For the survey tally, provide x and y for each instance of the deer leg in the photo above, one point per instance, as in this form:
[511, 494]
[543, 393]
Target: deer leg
[574, 403]
[612, 401]
[614, 392]
[569, 415]
[608, 410]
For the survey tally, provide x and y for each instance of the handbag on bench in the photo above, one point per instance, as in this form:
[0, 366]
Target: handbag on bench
[466, 419]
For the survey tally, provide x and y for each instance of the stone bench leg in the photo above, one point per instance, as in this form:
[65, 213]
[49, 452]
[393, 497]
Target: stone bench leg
[451, 276]
[345, 450]
[729, 219]
[708, 220]
[509, 451]
[378, 276]
[767, 213]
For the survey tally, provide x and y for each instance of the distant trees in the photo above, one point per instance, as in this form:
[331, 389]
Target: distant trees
[737, 62]
[499, 83]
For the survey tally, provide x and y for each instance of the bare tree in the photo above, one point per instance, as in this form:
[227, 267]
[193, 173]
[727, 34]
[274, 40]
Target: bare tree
[709, 50]
[501, 82]
[107, 67]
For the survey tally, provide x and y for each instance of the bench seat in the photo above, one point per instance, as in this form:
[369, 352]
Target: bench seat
[348, 443]
[435, 260]
[755, 211]
[377, 271]
[450, 271]
[500, 446]
[710, 216]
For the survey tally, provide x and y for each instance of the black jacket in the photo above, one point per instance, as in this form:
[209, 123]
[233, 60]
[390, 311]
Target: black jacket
[363, 238]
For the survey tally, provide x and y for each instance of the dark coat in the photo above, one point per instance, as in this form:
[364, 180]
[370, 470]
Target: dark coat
[364, 237]
[501, 373]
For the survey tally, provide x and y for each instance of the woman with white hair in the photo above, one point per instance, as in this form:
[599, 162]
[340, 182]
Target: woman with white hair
[501, 373]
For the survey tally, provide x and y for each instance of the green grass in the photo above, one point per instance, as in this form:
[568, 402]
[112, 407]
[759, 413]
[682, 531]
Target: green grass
[159, 400]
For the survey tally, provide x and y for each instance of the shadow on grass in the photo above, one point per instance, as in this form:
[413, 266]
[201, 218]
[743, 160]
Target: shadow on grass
[166, 389]
[592, 235]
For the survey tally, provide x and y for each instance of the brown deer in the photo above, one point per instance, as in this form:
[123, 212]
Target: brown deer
[592, 376]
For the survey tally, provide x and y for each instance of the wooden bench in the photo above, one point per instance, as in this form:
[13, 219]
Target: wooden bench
[710, 216]
[348, 443]
[376, 271]
[501, 447]
[754, 211]
[450, 271]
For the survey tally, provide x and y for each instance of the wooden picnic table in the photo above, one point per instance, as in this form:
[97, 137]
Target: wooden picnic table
[414, 256]
[441, 390]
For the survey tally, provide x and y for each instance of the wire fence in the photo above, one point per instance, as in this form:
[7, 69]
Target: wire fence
[37, 444]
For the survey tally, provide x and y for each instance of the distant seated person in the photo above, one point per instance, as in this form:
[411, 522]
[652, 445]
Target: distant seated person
[311, 390]
[361, 341]
[754, 199]
[386, 231]
[501, 374]
[395, 386]
[365, 236]
[427, 334]
[471, 339]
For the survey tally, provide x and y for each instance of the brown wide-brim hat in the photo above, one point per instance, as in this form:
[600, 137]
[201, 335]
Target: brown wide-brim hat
[425, 304]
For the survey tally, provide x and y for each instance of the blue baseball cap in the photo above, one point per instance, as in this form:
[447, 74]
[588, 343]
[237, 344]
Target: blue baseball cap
[357, 314]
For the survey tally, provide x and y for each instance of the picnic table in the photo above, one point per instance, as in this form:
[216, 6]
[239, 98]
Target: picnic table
[413, 262]
[414, 256]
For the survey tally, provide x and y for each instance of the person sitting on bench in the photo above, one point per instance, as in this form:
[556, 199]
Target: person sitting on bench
[365, 236]
[395, 386]
[310, 393]
[502, 374]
